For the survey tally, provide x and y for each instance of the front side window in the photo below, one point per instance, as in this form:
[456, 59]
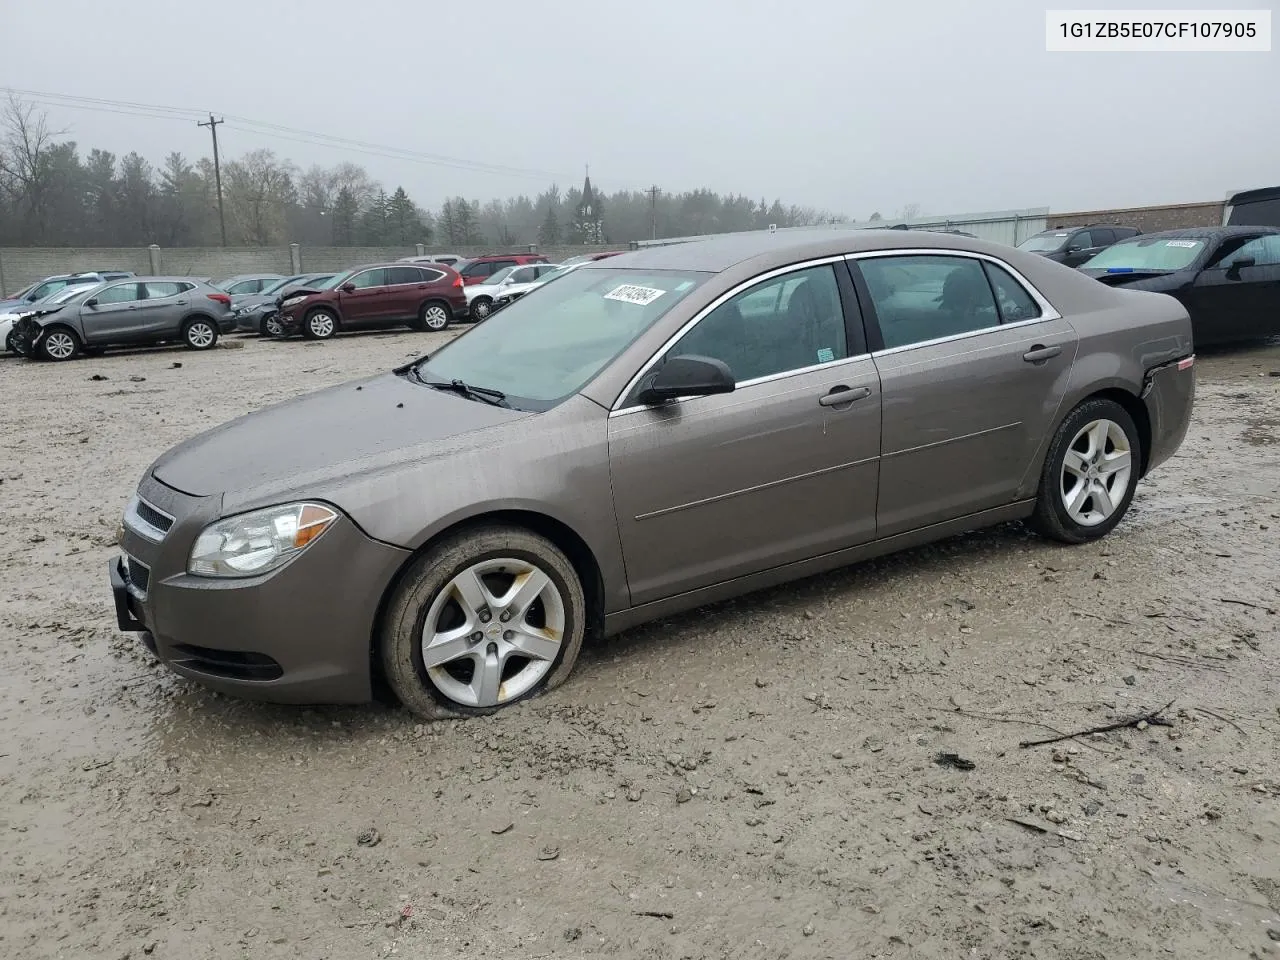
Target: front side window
[1081, 241]
[787, 323]
[541, 350]
[370, 278]
[482, 269]
[524, 275]
[120, 293]
[922, 298]
[1264, 251]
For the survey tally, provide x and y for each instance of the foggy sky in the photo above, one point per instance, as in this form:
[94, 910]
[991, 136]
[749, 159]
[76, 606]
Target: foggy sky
[847, 105]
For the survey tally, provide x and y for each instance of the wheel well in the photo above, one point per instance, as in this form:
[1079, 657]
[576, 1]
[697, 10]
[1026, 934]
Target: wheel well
[563, 536]
[1138, 411]
[198, 316]
[337, 317]
[435, 300]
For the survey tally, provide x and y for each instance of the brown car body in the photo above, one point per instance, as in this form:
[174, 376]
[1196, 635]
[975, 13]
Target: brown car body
[659, 507]
[423, 296]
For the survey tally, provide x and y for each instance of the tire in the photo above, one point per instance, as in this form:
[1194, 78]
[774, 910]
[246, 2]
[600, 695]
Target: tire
[60, 343]
[8, 343]
[481, 307]
[1072, 498]
[425, 600]
[320, 325]
[435, 316]
[200, 333]
[271, 328]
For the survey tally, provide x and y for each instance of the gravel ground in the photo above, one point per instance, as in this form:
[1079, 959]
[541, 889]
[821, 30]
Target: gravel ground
[756, 779]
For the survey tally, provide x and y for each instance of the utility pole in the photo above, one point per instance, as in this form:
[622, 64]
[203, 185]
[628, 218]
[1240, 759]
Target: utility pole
[217, 172]
[653, 213]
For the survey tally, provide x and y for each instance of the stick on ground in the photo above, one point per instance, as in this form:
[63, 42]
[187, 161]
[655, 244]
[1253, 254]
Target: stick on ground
[1153, 718]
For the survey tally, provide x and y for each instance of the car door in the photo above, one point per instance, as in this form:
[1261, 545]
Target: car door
[782, 469]
[367, 304]
[112, 316]
[973, 366]
[1080, 248]
[406, 289]
[1237, 295]
[161, 309]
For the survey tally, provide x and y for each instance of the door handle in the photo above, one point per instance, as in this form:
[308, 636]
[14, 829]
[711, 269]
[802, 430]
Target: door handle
[182, 303]
[1040, 353]
[842, 394]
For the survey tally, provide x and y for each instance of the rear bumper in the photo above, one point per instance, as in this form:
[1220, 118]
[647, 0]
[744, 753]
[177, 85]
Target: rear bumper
[1169, 395]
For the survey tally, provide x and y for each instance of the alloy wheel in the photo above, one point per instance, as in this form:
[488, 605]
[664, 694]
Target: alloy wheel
[200, 335]
[321, 325]
[493, 632]
[271, 326]
[435, 317]
[60, 345]
[1096, 472]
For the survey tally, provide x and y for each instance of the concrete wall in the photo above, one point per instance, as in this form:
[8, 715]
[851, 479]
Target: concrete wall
[1146, 219]
[20, 266]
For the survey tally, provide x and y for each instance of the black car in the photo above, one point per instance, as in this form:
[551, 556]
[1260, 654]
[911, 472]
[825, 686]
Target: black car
[1228, 278]
[1072, 246]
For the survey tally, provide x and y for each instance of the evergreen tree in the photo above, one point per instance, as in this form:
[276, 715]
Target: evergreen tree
[404, 222]
[345, 211]
[375, 222]
[549, 231]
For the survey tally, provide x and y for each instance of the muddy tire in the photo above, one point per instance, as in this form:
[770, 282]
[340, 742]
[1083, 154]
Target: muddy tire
[60, 343]
[482, 620]
[320, 325]
[1090, 473]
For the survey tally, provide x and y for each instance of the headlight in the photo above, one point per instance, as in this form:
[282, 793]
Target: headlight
[291, 301]
[255, 543]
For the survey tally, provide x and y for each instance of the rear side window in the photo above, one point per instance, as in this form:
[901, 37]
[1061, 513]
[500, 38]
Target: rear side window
[431, 276]
[397, 275]
[157, 289]
[1102, 237]
[922, 298]
[1012, 299]
[482, 269]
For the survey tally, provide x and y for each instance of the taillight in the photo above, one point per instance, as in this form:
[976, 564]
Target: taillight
[458, 282]
[221, 298]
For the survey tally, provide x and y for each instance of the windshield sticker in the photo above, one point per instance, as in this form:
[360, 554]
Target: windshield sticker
[1192, 244]
[629, 293]
[826, 355]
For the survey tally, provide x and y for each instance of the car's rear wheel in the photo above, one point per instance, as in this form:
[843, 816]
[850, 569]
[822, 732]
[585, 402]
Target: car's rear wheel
[8, 343]
[200, 334]
[481, 307]
[1090, 474]
[320, 325]
[271, 327]
[60, 343]
[435, 316]
[481, 621]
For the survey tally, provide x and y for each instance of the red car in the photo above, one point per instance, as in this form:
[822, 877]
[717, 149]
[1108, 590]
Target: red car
[479, 269]
[379, 295]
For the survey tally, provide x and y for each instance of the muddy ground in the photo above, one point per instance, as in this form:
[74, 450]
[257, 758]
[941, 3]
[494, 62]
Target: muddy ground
[757, 779]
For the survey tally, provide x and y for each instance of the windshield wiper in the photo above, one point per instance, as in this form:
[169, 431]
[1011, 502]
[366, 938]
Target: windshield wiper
[485, 394]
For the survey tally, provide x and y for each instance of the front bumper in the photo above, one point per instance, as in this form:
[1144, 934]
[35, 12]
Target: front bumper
[1169, 394]
[300, 634]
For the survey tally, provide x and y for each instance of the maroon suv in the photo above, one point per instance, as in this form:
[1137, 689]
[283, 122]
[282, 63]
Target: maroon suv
[379, 295]
[480, 269]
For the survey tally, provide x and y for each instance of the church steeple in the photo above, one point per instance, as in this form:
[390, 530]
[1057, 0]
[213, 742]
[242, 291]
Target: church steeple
[588, 218]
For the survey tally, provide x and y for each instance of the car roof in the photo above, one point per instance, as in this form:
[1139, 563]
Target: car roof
[1206, 233]
[1254, 196]
[718, 254]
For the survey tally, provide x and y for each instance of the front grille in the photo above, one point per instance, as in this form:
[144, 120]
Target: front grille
[153, 516]
[229, 664]
[139, 575]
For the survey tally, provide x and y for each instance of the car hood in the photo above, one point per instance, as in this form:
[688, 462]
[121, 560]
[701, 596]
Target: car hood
[363, 425]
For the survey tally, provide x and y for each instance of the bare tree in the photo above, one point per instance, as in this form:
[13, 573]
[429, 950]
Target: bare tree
[26, 168]
[910, 211]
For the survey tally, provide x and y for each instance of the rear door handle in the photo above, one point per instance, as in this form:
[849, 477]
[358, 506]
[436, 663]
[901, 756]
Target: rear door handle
[182, 303]
[842, 394]
[1040, 353]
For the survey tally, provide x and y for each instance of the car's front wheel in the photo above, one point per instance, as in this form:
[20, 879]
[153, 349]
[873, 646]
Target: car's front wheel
[271, 327]
[200, 334]
[1090, 473]
[60, 343]
[320, 325]
[481, 307]
[483, 620]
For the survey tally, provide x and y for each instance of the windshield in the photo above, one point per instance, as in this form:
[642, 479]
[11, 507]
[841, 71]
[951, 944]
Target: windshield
[1148, 253]
[1043, 242]
[72, 294]
[541, 350]
[555, 274]
[281, 284]
[334, 282]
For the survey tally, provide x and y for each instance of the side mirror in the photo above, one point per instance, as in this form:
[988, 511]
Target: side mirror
[91, 302]
[687, 376]
[348, 287]
[1241, 262]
